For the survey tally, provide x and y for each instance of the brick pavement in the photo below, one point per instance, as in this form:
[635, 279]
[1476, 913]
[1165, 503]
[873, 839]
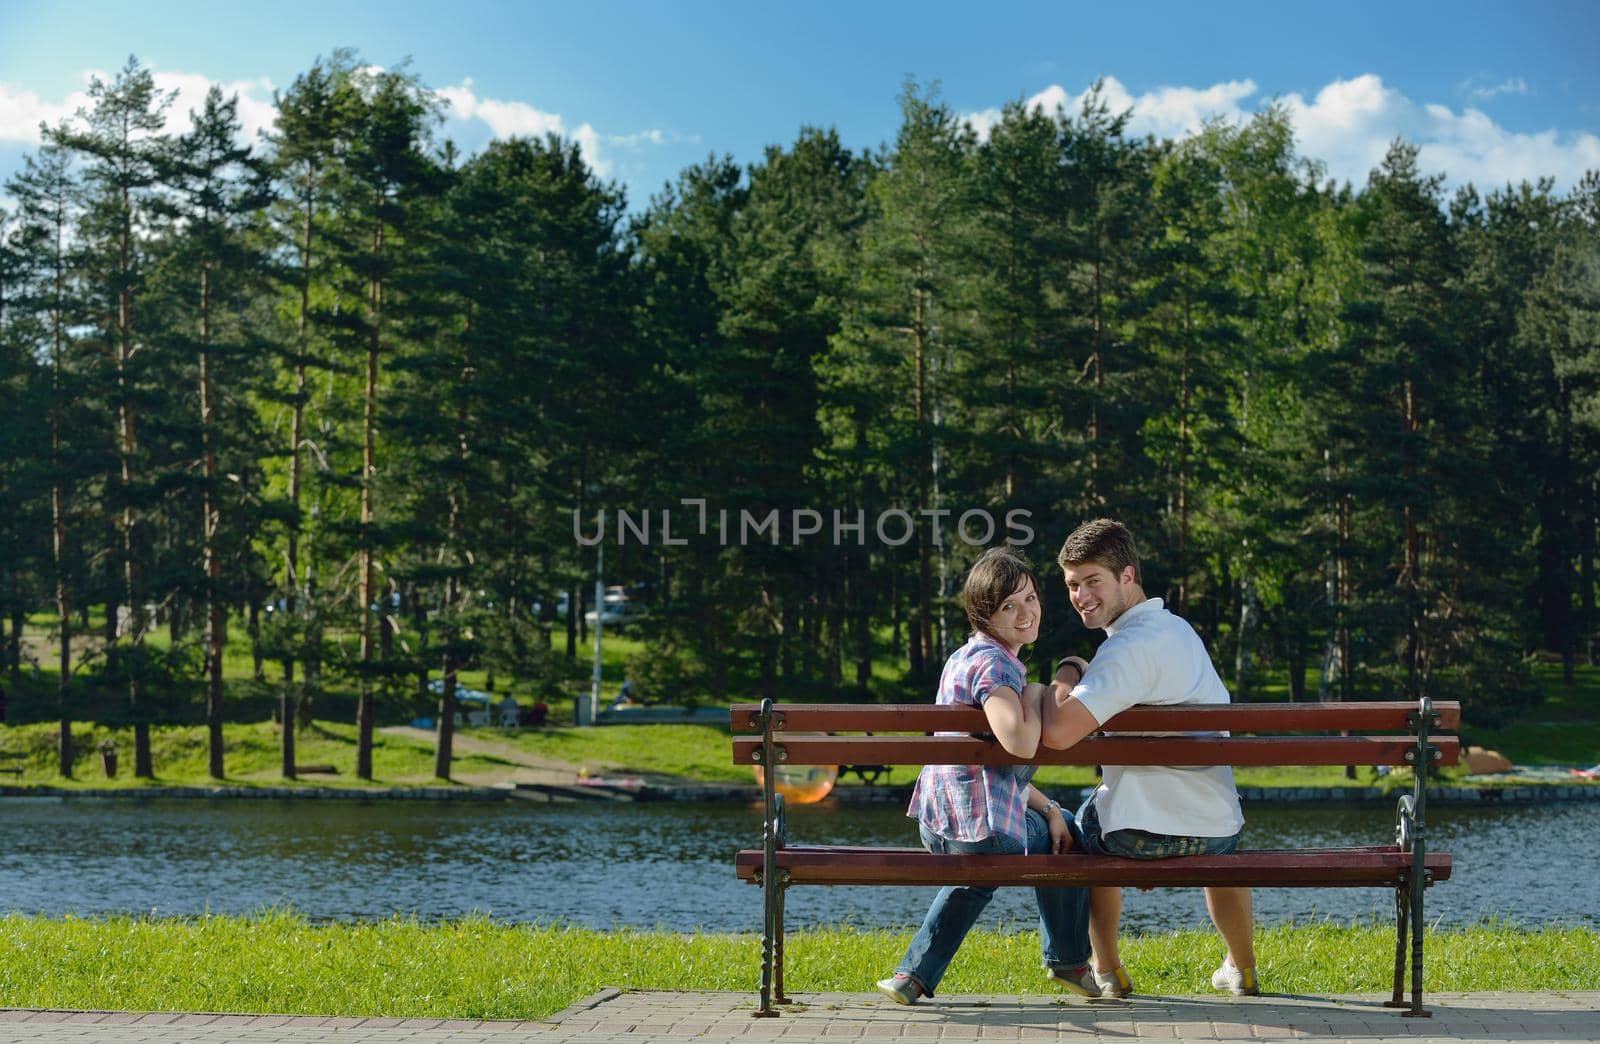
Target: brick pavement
[616, 1017]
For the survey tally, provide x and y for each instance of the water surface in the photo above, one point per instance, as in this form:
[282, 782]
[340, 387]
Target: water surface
[670, 865]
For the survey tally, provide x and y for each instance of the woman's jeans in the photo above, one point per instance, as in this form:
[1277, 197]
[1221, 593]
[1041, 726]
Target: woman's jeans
[1063, 911]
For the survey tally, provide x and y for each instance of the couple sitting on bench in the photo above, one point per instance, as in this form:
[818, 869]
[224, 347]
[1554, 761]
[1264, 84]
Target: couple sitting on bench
[1149, 656]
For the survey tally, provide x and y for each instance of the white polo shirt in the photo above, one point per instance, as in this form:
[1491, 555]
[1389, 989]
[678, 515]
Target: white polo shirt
[1153, 657]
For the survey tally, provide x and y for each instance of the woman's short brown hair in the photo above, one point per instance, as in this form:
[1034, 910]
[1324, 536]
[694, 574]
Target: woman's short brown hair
[995, 576]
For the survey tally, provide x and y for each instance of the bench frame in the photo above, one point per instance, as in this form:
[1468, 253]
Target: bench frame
[1407, 866]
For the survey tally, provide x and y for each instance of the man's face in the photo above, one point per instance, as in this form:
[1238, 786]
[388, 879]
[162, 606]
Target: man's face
[1099, 595]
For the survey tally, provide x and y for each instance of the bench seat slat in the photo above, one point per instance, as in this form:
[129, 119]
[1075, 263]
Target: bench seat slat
[1237, 717]
[1106, 750]
[1309, 867]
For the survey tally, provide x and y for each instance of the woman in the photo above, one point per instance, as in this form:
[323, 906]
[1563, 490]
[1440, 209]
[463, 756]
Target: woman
[993, 809]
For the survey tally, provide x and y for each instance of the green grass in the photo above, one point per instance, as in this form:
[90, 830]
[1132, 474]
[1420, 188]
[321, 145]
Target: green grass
[477, 968]
[699, 752]
[179, 754]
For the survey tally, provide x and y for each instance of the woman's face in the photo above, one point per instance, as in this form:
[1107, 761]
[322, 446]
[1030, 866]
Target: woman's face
[1016, 622]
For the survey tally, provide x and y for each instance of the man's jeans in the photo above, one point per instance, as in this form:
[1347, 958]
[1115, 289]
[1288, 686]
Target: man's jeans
[1063, 912]
[1141, 844]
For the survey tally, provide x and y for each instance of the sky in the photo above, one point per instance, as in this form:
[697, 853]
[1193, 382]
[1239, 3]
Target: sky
[1492, 93]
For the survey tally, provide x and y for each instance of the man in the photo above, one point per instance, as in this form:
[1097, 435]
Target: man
[1139, 812]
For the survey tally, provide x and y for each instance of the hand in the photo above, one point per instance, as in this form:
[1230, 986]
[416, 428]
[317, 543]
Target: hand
[1060, 836]
[1070, 678]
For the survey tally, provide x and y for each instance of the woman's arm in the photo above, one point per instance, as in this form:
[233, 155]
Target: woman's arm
[1055, 819]
[1016, 719]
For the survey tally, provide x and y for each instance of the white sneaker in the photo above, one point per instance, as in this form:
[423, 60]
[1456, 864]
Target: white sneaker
[1241, 982]
[1114, 983]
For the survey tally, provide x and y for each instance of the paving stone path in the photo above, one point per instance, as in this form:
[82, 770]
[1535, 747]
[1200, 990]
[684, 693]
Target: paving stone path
[616, 1017]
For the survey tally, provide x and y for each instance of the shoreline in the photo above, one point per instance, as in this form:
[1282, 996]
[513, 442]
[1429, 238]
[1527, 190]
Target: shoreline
[546, 793]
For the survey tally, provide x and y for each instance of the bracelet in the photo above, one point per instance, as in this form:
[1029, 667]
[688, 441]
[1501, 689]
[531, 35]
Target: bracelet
[1076, 661]
[1055, 805]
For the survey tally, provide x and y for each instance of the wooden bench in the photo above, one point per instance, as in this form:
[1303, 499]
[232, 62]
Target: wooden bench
[1258, 734]
[12, 755]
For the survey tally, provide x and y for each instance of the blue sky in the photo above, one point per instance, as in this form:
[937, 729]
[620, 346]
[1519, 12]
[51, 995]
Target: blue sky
[1493, 92]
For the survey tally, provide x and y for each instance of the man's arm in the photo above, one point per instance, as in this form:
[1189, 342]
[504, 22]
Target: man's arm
[1066, 719]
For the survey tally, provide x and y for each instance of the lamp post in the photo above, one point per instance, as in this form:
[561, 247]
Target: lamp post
[599, 613]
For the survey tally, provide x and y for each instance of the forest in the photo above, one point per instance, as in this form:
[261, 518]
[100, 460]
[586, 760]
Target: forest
[374, 409]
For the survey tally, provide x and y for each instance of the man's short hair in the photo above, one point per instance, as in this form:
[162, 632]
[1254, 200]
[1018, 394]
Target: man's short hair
[1104, 541]
[995, 576]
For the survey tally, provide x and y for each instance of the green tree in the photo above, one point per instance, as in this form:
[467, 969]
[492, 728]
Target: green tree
[46, 191]
[217, 189]
[384, 175]
[120, 138]
[308, 130]
[904, 322]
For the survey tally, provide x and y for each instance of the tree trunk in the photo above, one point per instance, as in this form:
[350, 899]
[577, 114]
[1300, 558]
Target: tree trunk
[58, 541]
[1247, 626]
[292, 579]
[366, 565]
[210, 520]
[1586, 551]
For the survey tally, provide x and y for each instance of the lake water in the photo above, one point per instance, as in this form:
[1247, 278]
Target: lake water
[670, 865]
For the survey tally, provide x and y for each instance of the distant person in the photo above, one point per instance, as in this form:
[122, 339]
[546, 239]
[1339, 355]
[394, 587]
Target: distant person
[980, 809]
[536, 714]
[1144, 812]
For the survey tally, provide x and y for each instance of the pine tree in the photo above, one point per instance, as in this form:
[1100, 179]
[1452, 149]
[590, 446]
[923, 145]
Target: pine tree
[46, 190]
[309, 127]
[384, 173]
[121, 141]
[217, 186]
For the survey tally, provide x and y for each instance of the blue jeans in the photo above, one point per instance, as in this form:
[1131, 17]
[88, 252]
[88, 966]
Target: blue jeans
[1141, 844]
[1063, 911]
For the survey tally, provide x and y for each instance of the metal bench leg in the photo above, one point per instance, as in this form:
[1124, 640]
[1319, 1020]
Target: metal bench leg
[1402, 918]
[1418, 881]
[765, 1010]
[777, 948]
[1417, 1011]
[772, 909]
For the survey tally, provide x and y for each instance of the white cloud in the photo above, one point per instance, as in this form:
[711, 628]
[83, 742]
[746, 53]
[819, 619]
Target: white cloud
[506, 119]
[1478, 90]
[1166, 112]
[1349, 125]
[21, 111]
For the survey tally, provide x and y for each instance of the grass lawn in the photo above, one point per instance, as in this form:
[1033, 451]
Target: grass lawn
[179, 754]
[480, 969]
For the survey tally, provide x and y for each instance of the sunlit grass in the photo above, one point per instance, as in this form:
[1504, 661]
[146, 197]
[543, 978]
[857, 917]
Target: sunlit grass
[690, 751]
[478, 968]
[252, 757]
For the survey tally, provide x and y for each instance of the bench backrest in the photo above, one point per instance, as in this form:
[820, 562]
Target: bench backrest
[1274, 734]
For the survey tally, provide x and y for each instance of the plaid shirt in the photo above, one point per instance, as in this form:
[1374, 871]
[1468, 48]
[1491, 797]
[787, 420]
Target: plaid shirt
[972, 802]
